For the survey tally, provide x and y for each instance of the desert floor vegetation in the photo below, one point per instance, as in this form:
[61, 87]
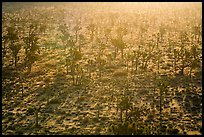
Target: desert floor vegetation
[101, 68]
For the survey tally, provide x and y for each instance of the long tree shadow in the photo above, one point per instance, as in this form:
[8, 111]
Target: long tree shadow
[49, 98]
[184, 81]
[190, 99]
[193, 102]
[55, 92]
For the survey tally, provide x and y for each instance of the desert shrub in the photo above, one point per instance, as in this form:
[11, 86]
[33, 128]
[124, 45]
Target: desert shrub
[105, 80]
[54, 101]
[30, 110]
[134, 124]
[85, 120]
[120, 74]
[81, 99]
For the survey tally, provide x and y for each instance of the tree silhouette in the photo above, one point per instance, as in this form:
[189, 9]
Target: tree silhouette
[118, 44]
[14, 42]
[72, 61]
[32, 45]
[76, 30]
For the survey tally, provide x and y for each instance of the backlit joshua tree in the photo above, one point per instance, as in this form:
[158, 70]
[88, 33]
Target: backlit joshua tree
[14, 42]
[32, 44]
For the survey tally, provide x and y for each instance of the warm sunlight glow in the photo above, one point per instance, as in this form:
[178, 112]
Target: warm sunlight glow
[102, 68]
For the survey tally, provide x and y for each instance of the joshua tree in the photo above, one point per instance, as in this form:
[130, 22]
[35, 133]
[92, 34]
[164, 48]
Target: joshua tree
[72, 61]
[118, 44]
[124, 105]
[182, 56]
[79, 74]
[32, 45]
[68, 60]
[121, 46]
[90, 65]
[82, 41]
[20, 85]
[101, 63]
[4, 48]
[197, 32]
[193, 58]
[183, 37]
[157, 40]
[176, 55]
[162, 83]
[98, 107]
[66, 38]
[158, 58]
[115, 43]
[146, 56]
[135, 60]
[101, 46]
[188, 58]
[37, 110]
[128, 58]
[14, 42]
[76, 30]
[162, 31]
[107, 32]
[92, 28]
[121, 32]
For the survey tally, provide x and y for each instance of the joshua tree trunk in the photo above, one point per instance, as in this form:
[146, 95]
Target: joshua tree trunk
[145, 65]
[175, 65]
[15, 60]
[157, 42]
[158, 67]
[182, 66]
[126, 114]
[131, 35]
[77, 78]
[117, 106]
[29, 68]
[122, 53]
[182, 69]
[76, 34]
[67, 69]
[73, 79]
[160, 110]
[190, 72]
[134, 132]
[121, 115]
[127, 66]
[115, 53]
[22, 94]
[132, 68]
[72, 74]
[100, 73]
[136, 65]
[98, 113]
[67, 66]
[48, 98]
[36, 117]
[65, 48]
[198, 39]
[89, 73]
[78, 94]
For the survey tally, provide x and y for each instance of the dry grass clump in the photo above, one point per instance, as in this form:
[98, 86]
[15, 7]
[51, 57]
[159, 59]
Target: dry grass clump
[120, 74]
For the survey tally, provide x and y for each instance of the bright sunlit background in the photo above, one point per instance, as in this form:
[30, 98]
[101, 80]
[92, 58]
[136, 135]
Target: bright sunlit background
[101, 68]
